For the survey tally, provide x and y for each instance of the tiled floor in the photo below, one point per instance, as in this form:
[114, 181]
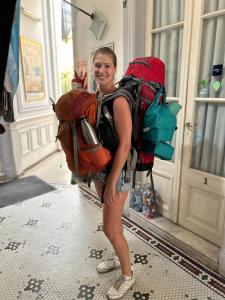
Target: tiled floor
[54, 170]
[50, 246]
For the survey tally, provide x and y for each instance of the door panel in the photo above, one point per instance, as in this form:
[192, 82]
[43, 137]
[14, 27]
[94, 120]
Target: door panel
[164, 183]
[202, 193]
[202, 212]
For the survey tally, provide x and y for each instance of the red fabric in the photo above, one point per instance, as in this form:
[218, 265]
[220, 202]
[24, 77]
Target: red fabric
[150, 69]
[155, 73]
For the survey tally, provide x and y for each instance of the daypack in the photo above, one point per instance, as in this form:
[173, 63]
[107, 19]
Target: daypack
[84, 160]
[153, 121]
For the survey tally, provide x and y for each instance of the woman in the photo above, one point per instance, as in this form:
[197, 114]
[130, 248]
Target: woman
[111, 186]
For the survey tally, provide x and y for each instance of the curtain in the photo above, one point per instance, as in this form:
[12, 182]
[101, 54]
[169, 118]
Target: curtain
[209, 133]
[67, 13]
[167, 44]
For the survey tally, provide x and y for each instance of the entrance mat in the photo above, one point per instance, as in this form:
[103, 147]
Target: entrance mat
[22, 189]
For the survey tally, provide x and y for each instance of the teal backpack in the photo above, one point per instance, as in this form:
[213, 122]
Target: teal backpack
[160, 123]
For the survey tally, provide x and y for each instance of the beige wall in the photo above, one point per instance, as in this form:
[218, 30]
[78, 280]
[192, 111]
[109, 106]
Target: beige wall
[83, 38]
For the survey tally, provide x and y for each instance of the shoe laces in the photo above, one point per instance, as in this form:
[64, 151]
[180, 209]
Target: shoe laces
[119, 282]
[111, 259]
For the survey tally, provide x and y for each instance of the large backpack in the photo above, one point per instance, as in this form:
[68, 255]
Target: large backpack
[153, 121]
[84, 160]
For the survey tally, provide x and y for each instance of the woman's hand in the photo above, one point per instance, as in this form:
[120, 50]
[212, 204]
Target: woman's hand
[110, 195]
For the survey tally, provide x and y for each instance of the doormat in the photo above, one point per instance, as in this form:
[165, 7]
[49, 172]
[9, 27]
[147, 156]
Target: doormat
[22, 189]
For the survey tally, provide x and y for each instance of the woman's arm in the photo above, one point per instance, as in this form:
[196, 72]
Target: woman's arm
[123, 125]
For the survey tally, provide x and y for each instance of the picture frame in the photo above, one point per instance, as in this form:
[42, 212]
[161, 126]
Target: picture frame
[32, 68]
[91, 82]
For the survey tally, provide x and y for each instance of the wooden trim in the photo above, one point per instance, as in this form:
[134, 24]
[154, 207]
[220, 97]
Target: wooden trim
[167, 27]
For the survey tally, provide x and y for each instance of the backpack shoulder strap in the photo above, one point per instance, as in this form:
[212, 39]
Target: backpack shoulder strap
[119, 92]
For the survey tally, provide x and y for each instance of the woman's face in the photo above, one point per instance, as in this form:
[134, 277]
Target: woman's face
[103, 69]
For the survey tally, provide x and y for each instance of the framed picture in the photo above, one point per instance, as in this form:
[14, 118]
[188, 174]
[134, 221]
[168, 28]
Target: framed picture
[33, 70]
[91, 83]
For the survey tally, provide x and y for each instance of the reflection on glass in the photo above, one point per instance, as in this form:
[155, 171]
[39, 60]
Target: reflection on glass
[167, 45]
[213, 5]
[211, 81]
[167, 12]
[208, 149]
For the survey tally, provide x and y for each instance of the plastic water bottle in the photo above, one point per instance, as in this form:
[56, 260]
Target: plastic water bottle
[138, 205]
[88, 131]
[146, 201]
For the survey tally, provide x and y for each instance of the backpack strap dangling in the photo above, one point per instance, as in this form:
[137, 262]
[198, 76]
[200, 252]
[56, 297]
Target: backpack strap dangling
[136, 119]
[75, 146]
[131, 164]
[152, 185]
[134, 179]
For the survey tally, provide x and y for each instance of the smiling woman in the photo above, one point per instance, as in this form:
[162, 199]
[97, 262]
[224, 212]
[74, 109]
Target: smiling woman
[92, 86]
[104, 69]
[111, 184]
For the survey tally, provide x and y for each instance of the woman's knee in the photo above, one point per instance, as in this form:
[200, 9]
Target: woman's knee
[112, 232]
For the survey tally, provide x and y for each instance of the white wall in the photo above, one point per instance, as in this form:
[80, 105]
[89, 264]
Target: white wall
[32, 136]
[83, 38]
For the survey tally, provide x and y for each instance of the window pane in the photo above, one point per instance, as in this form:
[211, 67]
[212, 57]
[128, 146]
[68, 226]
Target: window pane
[213, 5]
[167, 12]
[208, 149]
[211, 81]
[167, 45]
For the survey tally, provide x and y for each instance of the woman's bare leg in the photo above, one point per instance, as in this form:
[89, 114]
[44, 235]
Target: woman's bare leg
[113, 228]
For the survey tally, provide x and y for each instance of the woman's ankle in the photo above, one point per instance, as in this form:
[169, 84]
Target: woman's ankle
[127, 275]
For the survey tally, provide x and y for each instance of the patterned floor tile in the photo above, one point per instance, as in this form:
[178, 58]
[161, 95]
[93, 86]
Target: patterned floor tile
[50, 246]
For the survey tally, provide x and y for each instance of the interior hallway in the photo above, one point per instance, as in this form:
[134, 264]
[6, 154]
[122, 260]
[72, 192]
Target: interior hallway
[50, 246]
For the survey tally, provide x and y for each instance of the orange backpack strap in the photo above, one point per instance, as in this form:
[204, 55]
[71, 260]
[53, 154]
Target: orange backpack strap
[75, 146]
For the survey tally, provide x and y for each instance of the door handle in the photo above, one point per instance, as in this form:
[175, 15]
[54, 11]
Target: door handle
[188, 125]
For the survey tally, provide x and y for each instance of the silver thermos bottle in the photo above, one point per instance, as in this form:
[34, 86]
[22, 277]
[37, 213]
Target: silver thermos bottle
[88, 131]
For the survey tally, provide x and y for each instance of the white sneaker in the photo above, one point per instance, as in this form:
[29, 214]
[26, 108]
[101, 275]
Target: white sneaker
[108, 265]
[120, 287]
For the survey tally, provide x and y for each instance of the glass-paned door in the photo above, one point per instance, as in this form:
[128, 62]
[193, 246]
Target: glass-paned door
[202, 196]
